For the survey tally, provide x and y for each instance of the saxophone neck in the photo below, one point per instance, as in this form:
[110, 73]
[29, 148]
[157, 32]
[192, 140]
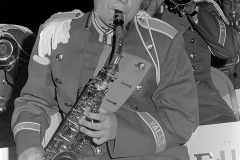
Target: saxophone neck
[118, 23]
[117, 38]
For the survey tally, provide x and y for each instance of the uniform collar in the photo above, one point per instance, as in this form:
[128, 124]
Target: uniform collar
[103, 36]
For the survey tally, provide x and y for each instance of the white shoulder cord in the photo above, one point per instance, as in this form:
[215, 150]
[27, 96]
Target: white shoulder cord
[157, 66]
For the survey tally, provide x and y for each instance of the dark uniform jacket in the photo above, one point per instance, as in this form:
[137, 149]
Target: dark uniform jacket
[209, 35]
[158, 103]
[13, 73]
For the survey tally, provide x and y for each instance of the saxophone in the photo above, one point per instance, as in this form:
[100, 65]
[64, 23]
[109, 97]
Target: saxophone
[67, 141]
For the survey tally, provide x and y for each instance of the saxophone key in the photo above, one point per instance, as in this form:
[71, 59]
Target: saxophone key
[74, 123]
[64, 138]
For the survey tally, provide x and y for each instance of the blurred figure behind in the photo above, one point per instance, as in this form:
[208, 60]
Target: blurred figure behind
[200, 24]
[16, 43]
[231, 9]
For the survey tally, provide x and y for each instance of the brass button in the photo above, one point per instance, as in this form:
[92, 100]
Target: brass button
[68, 104]
[191, 28]
[2, 98]
[138, 88]
[194, 69]
[135, 107]
[78, 14]
[98, 150]
[141, 20]
[59, 57]
[4, 81]
[198, 82]
[149, 45]
[192, 55]
[192, 40]
[140, 66]
[3, 108]
[57, 80]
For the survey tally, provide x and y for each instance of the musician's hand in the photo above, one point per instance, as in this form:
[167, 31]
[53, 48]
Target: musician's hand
[33, 153]
[103, 131]
[153, 6]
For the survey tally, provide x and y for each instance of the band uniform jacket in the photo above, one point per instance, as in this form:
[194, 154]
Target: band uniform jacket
[155, 120]
[210, 35]
[13, 69]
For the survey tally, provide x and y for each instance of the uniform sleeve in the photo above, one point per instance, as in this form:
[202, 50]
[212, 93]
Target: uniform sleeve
[35, 104]
[172, 116]
[217, 34]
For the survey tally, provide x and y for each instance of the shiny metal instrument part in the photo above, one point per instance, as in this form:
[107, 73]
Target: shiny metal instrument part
[8, 51]
[67, 141]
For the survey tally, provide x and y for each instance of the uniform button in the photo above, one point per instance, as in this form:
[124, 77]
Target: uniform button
[191, 28]
[134, 107]
[2, 98]
[140, 66]
[192, 55]
[98, 150]
[192, 40]
[194, 69]
[4, 81]
[57, 80]
[198, 82]
[3, 108]
[59, 57]
[149, 45]
[68, 104]
[78, 14]
[142, 20]
[138, 88]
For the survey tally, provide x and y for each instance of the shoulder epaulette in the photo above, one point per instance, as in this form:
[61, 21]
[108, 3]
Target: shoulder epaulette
[6, 27]
[75, 14]
[156, 25]
[56, 30]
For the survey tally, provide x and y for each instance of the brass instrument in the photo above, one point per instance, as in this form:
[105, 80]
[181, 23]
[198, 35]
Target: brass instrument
[16, 43]
[67, 141]
[8, 52]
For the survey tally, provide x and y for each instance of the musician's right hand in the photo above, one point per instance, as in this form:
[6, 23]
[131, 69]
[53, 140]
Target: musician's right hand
[104, 130]
[34, 153]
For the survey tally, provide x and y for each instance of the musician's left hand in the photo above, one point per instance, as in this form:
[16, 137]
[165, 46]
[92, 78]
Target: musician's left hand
[103, 131]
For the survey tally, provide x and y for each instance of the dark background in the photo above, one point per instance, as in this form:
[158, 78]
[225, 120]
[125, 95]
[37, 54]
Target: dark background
[30, 14]
[33, 13]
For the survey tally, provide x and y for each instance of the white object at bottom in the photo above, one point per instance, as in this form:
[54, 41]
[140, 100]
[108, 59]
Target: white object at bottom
[4, 152]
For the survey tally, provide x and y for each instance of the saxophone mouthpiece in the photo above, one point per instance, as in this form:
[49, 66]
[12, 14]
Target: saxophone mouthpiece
[118, 18]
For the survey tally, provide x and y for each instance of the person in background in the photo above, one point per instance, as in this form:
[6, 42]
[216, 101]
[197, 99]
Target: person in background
[231, 9]
[200, 24]
[16, 43]
[149, 112]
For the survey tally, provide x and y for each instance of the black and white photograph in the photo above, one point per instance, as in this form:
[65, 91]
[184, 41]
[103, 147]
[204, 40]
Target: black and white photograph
[120, 80]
